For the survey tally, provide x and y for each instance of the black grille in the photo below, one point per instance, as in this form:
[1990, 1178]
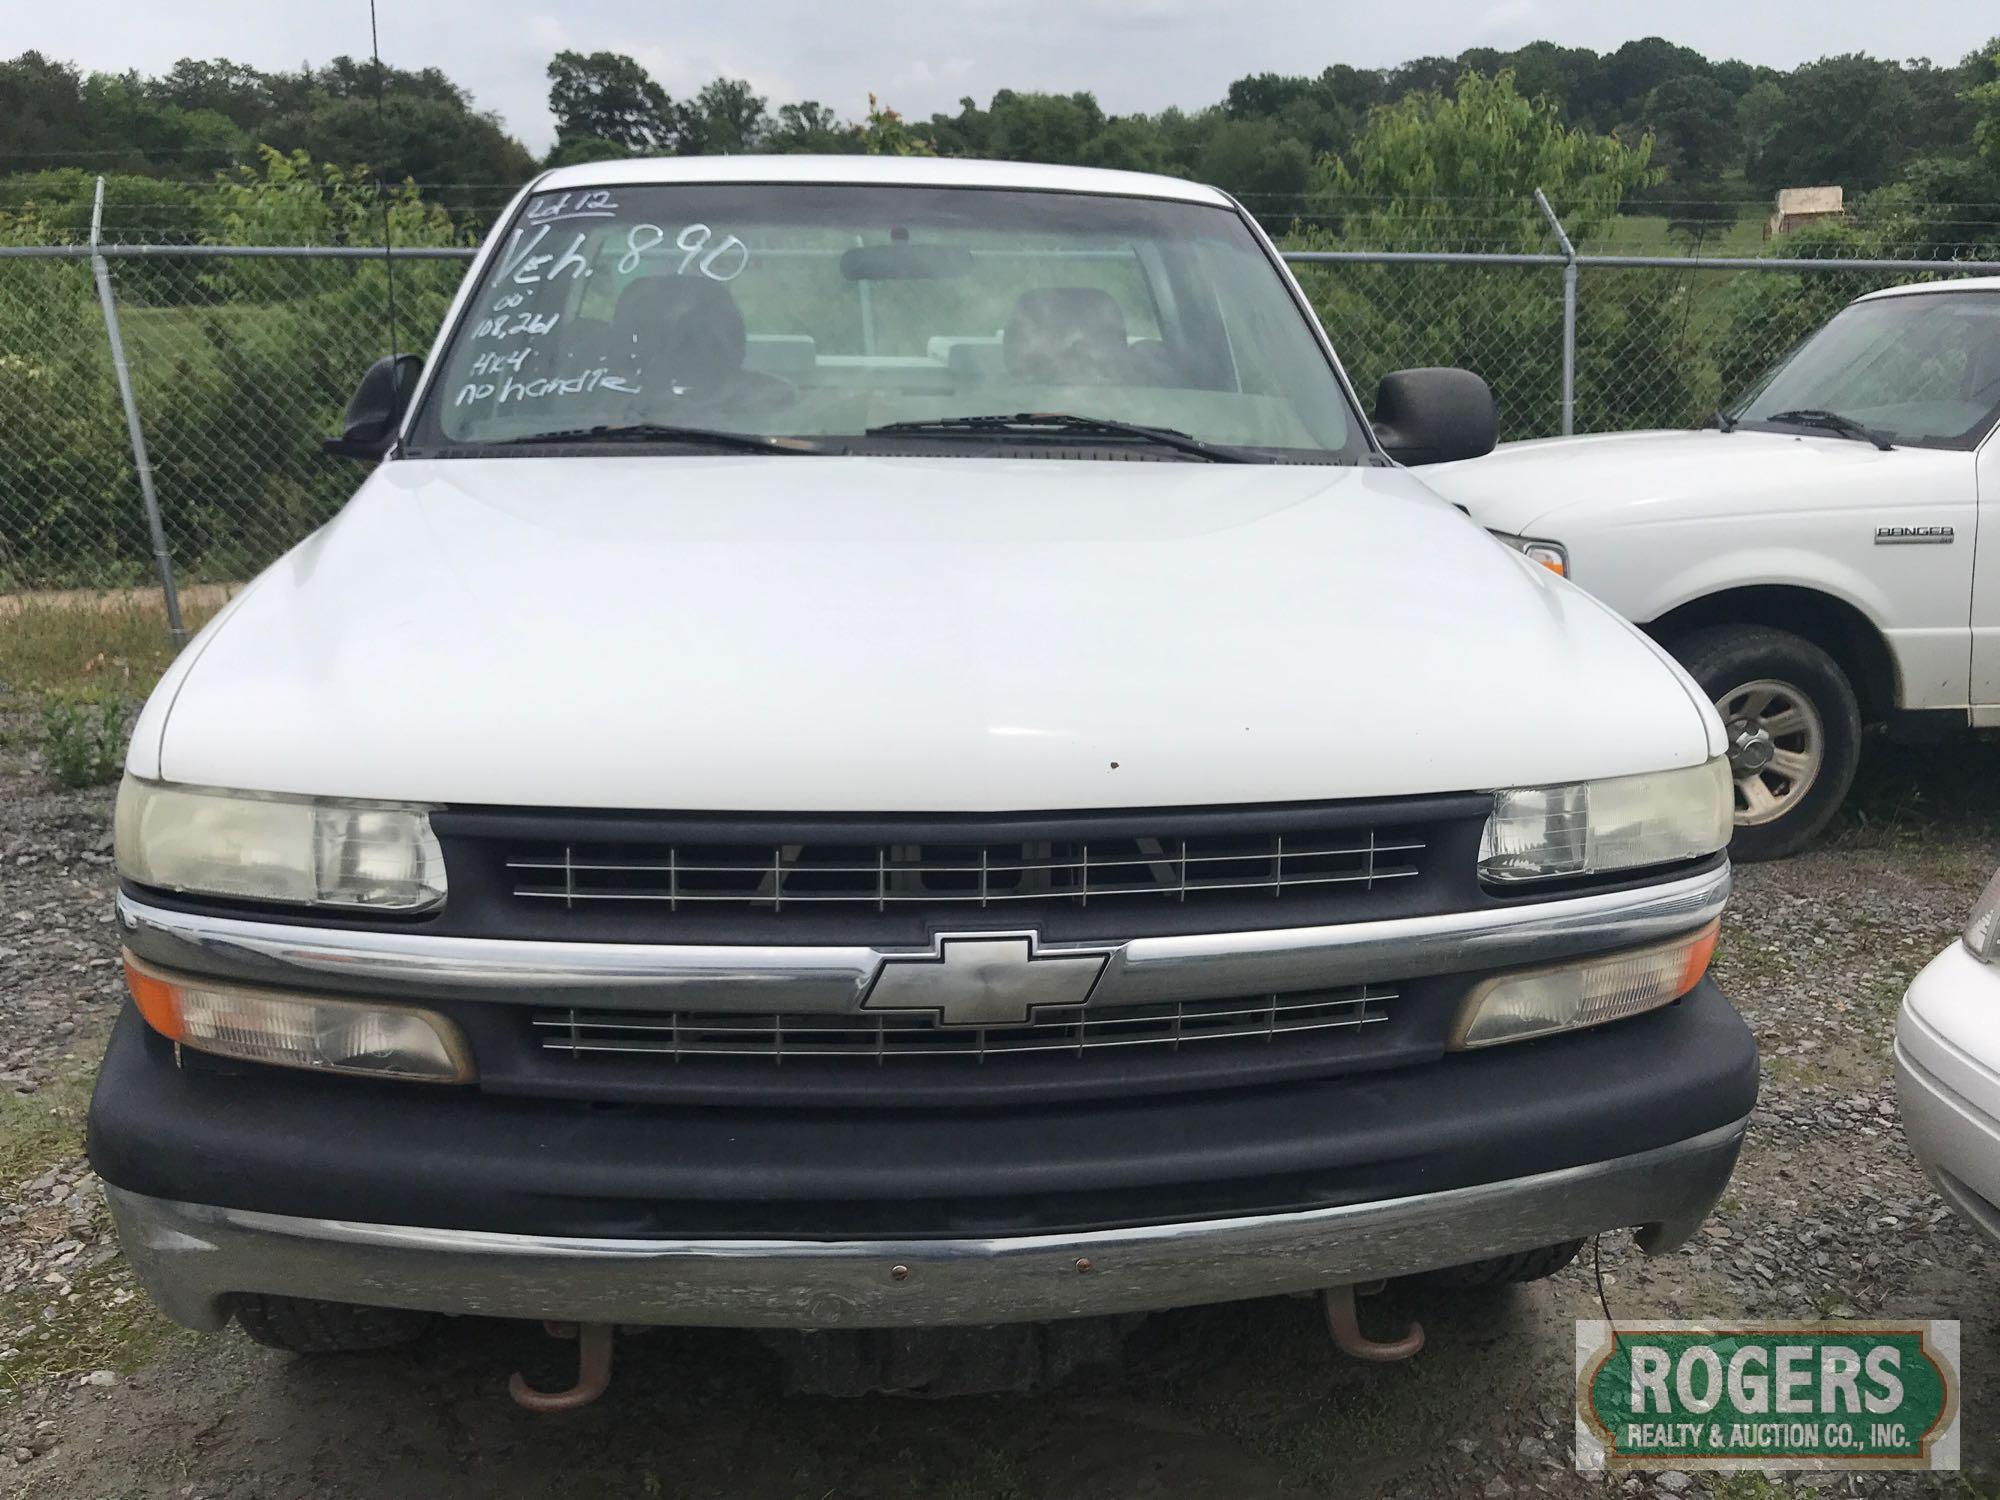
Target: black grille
[894, 880]
[1021, 875]
[884, 1037]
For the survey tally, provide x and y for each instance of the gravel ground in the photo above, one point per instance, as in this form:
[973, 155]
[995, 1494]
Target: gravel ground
[1827, 1216]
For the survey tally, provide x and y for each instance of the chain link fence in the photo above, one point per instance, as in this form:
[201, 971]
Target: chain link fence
[241, 358]
[239, 361]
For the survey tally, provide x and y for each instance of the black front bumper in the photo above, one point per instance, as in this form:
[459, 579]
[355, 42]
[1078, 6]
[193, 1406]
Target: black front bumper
[284, 1143]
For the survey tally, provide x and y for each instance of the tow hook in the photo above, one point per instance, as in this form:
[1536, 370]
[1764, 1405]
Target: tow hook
[1348, 1337]
[593, 1370]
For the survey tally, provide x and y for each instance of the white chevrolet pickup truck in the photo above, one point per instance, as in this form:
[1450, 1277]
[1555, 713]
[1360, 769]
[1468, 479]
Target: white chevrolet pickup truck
[886, 747]
[1823, 555]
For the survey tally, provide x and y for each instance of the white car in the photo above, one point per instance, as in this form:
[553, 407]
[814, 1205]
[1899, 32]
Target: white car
[1948, 1067]
[1810, 558]
[887, 746]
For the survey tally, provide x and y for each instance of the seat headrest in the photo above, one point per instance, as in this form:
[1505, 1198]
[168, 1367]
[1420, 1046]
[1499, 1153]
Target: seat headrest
[1066, 335]
[685, 332]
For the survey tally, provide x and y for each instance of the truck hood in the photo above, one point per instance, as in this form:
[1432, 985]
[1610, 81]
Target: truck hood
[1625, 478]
[906, 634]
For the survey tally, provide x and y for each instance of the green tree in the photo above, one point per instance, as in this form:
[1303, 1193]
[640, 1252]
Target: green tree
[1127, 144]
[575, 150]
[45, 120]
[1042, 127]
[1982, 96]
[809, 126]
[724, 119]
[1631, 74]
[1421, 166]
[1422, 75]
[1267, 169]
[1693, 120]
[406, 138]
[240, 94]
[607, 96]
[886, 133]
[1839, 121]
[1421, 160]
[967, 133]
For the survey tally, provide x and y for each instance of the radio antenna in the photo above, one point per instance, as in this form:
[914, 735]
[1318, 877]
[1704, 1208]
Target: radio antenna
[381, 189]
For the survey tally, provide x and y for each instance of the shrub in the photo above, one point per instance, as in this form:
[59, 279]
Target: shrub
[83, 744]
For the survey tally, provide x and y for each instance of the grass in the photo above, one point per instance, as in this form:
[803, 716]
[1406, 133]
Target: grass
[105, 1323]
[89, 650]
[1647, 234]
[86, 662]
[101, 1321]
[39, 1130]
[79, 666]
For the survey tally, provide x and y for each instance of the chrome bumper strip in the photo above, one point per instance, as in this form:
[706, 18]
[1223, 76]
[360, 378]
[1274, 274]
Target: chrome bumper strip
[192, 1257]
[1141, 971]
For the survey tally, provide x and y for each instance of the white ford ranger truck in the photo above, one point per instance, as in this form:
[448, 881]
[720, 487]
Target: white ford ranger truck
[887, 748]
[1810, 556]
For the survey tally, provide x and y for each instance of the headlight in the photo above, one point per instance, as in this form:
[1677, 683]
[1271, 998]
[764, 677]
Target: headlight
[1591, 827]
[307, 851]
[1982, 931]
[300, 1031]
[1586, 992]
[1551, 555]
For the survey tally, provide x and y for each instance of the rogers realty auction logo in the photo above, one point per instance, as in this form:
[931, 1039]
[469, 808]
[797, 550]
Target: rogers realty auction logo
[1836, 1395]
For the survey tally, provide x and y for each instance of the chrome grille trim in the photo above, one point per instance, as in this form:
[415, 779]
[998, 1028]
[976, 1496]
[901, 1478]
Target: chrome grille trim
[880, 1037]
[769, 977]
[789, 874]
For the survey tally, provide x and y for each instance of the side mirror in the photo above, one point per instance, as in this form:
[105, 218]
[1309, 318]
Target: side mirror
[1433, 416]
[376, 410]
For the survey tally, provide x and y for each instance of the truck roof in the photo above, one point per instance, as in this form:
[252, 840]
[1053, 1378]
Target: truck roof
[900, 171]
[1956, 284]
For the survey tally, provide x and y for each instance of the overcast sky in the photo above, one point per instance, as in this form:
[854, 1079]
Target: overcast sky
[922, 55]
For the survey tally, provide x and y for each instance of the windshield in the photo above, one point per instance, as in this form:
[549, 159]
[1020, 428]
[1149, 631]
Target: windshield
[800, 310]
[1923, 370]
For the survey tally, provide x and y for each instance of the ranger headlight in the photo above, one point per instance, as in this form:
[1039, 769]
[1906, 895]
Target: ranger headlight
[1982, 930]
[1593, 827]
[1552, 555]
[306, 851]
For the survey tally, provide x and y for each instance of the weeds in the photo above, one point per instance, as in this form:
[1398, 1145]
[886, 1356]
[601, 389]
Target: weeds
[41, 1129]
[104, 1322]
[83, 744]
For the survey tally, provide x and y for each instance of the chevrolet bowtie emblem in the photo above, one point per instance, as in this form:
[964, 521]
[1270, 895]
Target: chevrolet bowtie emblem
[984, 981]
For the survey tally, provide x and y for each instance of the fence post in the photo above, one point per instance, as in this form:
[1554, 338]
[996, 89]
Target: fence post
[101, 269]
[1569, 314]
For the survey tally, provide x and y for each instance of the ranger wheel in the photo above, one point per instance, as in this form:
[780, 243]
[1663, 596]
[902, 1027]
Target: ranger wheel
[304, 1325]
[1527, 1265]
[1794, 731]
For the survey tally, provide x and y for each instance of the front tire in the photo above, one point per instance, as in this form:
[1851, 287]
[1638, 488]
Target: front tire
[1794, 729]
[306, 1325]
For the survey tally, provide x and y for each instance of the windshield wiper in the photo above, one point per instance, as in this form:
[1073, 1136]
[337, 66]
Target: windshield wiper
[1032, 422]
[1832, 421]
[1724, 422]
[666, 432]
